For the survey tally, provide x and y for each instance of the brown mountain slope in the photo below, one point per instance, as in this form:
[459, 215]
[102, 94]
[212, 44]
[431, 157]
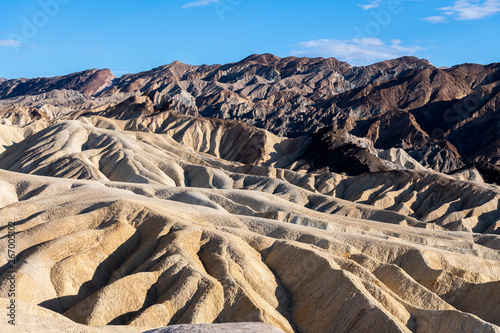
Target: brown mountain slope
[88, 82]
[443, 118]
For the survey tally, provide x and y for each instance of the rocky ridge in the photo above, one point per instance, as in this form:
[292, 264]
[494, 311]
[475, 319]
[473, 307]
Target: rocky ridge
[176, 196]
[405, 103]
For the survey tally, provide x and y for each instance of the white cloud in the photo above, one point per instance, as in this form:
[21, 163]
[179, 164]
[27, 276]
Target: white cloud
[467, 10]
[371, 5]
[9, 43]
[199, 3]
[362, 51]
[377, 3]
[435, 19]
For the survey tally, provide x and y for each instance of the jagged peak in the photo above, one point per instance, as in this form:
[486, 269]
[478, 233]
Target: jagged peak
[266, 58]
[406, 60]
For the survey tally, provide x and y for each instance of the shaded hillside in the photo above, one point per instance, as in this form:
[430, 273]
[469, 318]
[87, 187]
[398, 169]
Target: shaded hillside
[443, 118]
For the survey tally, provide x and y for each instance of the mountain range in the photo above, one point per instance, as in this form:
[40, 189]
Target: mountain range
[306, 194]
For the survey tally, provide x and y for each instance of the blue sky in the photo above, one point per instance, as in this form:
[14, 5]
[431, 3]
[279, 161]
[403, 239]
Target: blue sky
[55, 37]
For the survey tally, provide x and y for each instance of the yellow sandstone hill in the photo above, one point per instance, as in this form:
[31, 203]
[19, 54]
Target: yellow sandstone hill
[163, 220]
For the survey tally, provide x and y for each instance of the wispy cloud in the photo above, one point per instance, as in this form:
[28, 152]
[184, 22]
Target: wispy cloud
[200, 3]
[371, 5]
[377, 3]
[362, 51]
[467, 10]
[9, 43]
[435, 19]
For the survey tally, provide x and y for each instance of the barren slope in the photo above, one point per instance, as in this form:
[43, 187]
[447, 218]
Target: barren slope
[154, 255]
[441, 117]
[150, 232]
[132, 208]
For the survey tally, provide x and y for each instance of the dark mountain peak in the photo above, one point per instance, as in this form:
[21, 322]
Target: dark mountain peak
[83, 74]
[275, 68]
[96, 82]
[177, 68]
[264, 59]
[407, 62]
[178, 65]
[2, 79]
[272, 60]
[472, 69]
[413, 59]
[88, 82]
[330, 63]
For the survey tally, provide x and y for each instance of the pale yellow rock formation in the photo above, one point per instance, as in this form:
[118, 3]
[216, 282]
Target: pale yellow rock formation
[153, 255]
[143, 229]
